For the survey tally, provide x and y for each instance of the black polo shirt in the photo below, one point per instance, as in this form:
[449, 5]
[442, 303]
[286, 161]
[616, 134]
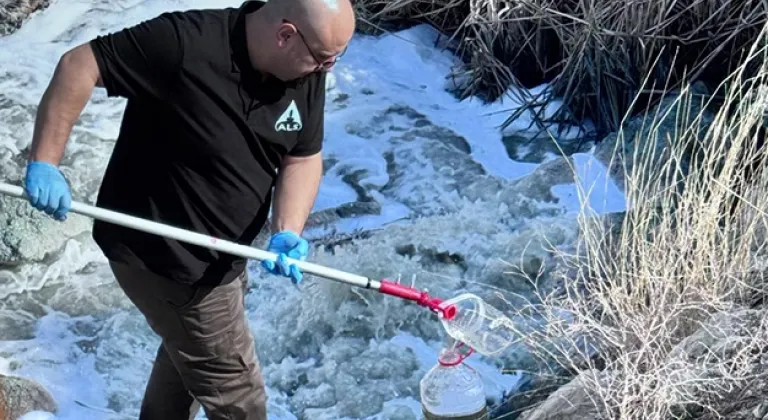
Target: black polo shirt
[201, 139]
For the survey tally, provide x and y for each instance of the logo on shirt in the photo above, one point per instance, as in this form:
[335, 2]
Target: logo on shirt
[290, 120]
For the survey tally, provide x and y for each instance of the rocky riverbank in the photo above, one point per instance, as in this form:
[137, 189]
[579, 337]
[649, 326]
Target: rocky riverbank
[18, 395]
[680, 331]
[14, 12]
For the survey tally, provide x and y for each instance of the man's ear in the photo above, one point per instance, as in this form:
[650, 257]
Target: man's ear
[284, 33]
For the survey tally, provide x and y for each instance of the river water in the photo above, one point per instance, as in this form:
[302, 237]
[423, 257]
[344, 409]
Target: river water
[422, 183]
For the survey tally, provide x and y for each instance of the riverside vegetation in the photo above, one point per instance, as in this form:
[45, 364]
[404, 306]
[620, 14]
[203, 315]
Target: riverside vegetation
[658, 312]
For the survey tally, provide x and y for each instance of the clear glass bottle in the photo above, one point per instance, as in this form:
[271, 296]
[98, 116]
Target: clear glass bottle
[452, 390]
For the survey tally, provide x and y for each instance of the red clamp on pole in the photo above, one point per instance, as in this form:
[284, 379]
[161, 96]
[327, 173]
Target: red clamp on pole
[420, 297]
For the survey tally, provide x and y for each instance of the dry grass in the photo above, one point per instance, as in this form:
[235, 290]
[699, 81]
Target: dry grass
[690, 247]
[596, 53]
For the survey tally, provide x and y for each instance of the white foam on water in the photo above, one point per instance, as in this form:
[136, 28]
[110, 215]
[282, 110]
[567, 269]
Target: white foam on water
[37, 415]
[55, 361]
[416, 76]
[596, 192]
[92, 350]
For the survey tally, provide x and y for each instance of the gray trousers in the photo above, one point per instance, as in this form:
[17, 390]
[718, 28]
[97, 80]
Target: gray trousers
[207, 356]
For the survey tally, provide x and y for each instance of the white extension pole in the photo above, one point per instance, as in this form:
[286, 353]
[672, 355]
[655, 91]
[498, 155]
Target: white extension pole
[201, 240]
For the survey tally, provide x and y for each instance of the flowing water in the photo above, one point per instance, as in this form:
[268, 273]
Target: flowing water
[418, 187]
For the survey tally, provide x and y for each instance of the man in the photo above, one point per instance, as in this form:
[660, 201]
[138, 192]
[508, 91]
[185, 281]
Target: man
[225, 108]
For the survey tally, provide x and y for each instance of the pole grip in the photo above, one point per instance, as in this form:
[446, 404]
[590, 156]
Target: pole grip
[418, 296]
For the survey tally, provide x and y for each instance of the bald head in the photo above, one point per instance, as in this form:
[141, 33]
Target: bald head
[297, 8]
[296, 37]
[330, 23]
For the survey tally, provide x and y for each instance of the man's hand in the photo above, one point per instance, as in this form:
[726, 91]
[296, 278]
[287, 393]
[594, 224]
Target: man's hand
[47, 189]
[287, 244]
[297, 186]
[74, 79]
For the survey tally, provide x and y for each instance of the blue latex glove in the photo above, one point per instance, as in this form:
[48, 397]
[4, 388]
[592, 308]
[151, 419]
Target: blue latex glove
[286, 243]
[47, 190]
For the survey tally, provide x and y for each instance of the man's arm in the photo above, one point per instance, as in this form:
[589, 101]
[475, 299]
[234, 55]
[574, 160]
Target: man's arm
[297, 185]
[71, 87]
[137, 61]
[301, 171]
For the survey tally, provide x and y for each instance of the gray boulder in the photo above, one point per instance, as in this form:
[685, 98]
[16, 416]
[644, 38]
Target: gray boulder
[578, 400]
[19, 396]
[648, 139]
[719, 370]
[14, 12]
[29, 235]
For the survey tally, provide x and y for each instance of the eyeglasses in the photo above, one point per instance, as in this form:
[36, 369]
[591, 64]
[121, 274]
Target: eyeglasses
[322, 65]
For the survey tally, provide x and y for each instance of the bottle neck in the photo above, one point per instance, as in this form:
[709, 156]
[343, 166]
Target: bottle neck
[452, 356]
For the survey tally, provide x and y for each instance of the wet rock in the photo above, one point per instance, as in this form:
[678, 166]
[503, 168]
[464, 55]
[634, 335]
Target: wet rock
[350, 381]
[328, 163]
[355, 179]
[761, 411]
[332, 240]
[81, 296]
[704, 365]
[16, 325]
[538, 185]
[322, 396]
[77, 281]
[721, 337]
[578, 400]
[650, 135]
[538, 149]
[19, 396]
[14, 12]
[522, 206]
[28, 235]
[432, 256]
[423, 128]
[346, 210]
[340, 100]
[532, 390]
